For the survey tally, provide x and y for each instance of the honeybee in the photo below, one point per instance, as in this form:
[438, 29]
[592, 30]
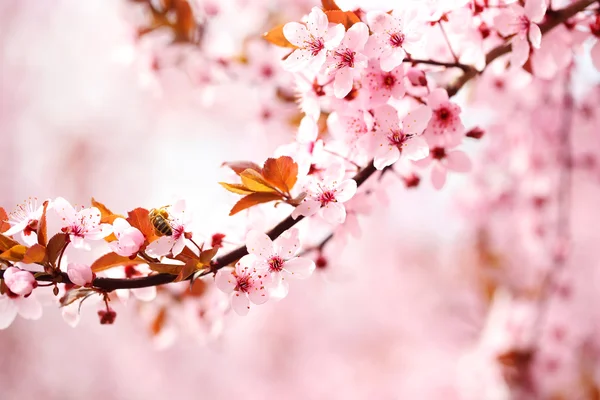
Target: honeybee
[160, 220]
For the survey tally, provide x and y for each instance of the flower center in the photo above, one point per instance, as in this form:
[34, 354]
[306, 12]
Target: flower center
[398, 138]
[315, 46]
[276, 264]
[523, 23]
[443, 114]
[438, 153]
[267, 71]
[243, 283]
[345, 58]
[389, 81]
[327, 197]
[178, 231]
[75, 230]
[397, 39]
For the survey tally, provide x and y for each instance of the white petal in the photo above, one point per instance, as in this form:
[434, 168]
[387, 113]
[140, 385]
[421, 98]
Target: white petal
[259, 244]
[346, 190]
[356, 37]
[297, 61]
[119, 226]
[334, 213]
[225, 280]
[300, 267]
[64, 210]
[416, 149]
[296, 33]
[29, 307]
[178, 246]
[317, 22]
[535, 36]
[385, 155]
[391, 59]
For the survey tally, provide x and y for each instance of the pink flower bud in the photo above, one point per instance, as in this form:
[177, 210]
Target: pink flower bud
[475, 133]
[129, 239]
[80, 274]
[19, 282]
[417, 77]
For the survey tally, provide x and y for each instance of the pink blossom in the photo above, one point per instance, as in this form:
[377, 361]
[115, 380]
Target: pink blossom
[393, 36]
[19, 282]
[80, 274]
[11, 306]
[350, 127]
[394, 138]
[416, 76]
[383, 85]
[180, 220]
[346, 59]
[445, 127]
[129, 238]
[245, 283]
[313, 40]
[279, 258]
[444, 160]
[328, 196]
[25, 220]
[81, 225]
[522, 22]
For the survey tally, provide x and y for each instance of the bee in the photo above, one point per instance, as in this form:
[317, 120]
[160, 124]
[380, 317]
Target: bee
[160, 220]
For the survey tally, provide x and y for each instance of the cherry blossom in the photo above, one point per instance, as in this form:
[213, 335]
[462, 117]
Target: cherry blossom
[279, 258]
[129, 239]
[82, 225]
[383, 85]
[393, 36]
[80, 274]
[180, 221]
[313, 40]
[327, 196]
[443, 160]
[522, 22]
[12, 305]
[394, 138]
[347, 59]
[25, 220]
[245, 283]
[445, 126]
[19, 282]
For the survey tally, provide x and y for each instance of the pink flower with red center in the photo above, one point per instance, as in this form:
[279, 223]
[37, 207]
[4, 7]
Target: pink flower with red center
[522, 23]
[442, 160]
[80, 274]
[393, 36]
[82, 225]
[245, 283]
[313, 39]
[445, 127]
[19, 282]
[180, 221]
[394, 138]
[382, 85]
[129, 239]
[279, 258]
[328, 196]
[25, 220]
[346, 59]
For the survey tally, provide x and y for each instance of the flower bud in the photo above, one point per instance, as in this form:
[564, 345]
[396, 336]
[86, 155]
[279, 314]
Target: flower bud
[417, 77]
[80, 274]
[19, 282]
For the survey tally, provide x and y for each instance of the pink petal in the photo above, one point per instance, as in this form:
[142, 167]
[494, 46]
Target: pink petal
[225, 280]
[79, 243]
[160, 247]
[64, 210]
[299, 267]
[595, 53]
[458, 161]
[296, 33]
[240, 303]
[385, 155]
[80, 274]
[259, 244]
[8, 312]
[346, 190]
[520, 52]
[356, 37]
[374, 46]
[416, 149]
[437, 98]
[120, 225]
[335, 35]
[379, 21]
[306, 208]
[334, 213]
[308, 131]
[288, 243]
[279, 288]
[317, 22]
[16, 228]
[535, 10]
[438, 175]
[391, 59]
[29, 307]
[505, 23]
[535, 35]
[417, 120]
[91, 216]
[258, 295]
[297, 61]
[342, 85]
[386, 118]
[178, 246]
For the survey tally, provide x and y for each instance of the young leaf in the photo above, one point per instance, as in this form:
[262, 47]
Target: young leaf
[139, 218]
[255, 182]
[282, 172]
[6, 243]
[42, 232]
[276, 37]
[240, 166]
[207, 255]
[188, 269]
[55, 246]
[106, 217]
[186, 24]
[186, 255]
[236, 188]
[4, 225]
[172, 269]
[252, 200]
[75, 294]
[329, 5]
[347, 18]
[15, 253]
[112, 260]
[36, 254]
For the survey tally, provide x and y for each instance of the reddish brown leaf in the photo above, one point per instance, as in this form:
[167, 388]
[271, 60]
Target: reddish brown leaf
[6, 243]
[197, 288]
[207, 255]
[188, 269]
[255, 182]
[329, 5]
[252, 200]
[186, 255]
[4, 225]
[55, 246]
[112, 260]
[15, 253]
[166, 268]
[159, 321]
[186, 23]
[276, 37]
[36, 254]
[236, 188]
[282, 172]
[105, 213]
[42, 232]
[347, 18]
[240, 166]
[140, 219]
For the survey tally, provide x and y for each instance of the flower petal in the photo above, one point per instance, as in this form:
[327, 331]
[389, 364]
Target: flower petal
[145, 294]
[334, 213]
[342, 85]
[240, 303]
[225, 280]
[300, 267]
[458, 161]
[356, 37]
[595, 53]
[288, 243]
[391, 59]
[416, 149]
[160, 247]
[417, 120]
[438, 175]
[317, 22]
[346, 190]
[29, 307]
[535, 36]
[437, 98]
[306, 208]
[259, 244]
[296, 33]
[258, 294]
